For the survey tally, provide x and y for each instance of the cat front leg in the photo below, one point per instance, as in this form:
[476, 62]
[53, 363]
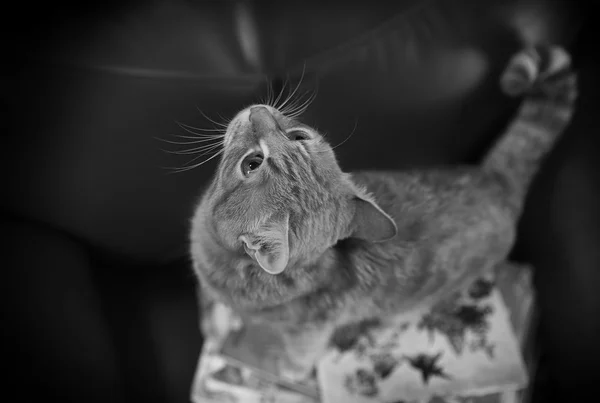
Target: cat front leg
[304, 346]
[216, 319]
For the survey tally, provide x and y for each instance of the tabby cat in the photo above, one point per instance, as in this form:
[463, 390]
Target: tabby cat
[283, 236]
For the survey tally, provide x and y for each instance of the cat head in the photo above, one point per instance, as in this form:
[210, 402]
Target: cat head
[279, 196]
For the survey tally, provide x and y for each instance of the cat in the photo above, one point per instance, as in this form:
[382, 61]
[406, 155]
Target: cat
[284, 237]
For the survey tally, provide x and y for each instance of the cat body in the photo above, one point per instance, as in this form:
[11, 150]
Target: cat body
[284, 237]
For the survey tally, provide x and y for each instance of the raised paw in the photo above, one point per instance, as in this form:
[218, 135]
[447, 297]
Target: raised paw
[545, 70]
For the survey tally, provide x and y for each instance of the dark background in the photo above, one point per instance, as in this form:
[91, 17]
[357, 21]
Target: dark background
[98, 295]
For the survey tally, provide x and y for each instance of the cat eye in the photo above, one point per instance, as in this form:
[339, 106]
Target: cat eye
[251, 163]
[297, 135]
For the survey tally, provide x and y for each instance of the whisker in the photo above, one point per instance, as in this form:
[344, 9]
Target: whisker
[197, 149]
[223, 125]
[284, 100]
[187, 167]
[198, 132]
[268, 97]
[204, 153]
[294, 105]
[350, 135]
[280, 93]
[313, 96]
[199, 136]
[183, 143]
[295, 89]
[300, 109]
[225, 121]
[270, 92]
[214, 129]
[264, 98]
[199, 153]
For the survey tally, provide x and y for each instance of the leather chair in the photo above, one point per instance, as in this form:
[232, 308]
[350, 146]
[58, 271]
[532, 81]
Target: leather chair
[98, 294]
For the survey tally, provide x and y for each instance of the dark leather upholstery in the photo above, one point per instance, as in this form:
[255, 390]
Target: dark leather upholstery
[100, 297]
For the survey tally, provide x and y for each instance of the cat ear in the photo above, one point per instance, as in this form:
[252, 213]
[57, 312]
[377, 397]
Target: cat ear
[270, 247]
[371, 223]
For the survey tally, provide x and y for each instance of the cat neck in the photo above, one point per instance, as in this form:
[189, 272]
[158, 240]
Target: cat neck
[348, 272]
[237, 280]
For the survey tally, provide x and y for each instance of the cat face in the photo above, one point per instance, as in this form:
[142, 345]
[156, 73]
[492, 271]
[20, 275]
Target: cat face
[280, 197]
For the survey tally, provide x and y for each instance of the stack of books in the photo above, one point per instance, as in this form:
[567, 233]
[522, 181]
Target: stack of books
[469, 348]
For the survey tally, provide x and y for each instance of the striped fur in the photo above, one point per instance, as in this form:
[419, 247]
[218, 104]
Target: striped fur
[544, 76]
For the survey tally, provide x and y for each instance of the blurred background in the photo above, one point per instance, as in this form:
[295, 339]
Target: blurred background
[98, 293]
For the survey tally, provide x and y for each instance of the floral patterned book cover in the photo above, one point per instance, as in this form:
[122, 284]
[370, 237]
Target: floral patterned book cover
[219, 381]
[465, 349]
[241, 366]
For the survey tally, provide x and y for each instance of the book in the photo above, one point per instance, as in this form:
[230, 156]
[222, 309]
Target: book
[467, 349]
[242, 366]
[218, 380]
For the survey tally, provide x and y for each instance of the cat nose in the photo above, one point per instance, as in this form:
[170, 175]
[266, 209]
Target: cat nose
[262, 120]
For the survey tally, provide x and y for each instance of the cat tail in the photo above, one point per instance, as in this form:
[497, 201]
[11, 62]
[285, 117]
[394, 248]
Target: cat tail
[544, 76]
